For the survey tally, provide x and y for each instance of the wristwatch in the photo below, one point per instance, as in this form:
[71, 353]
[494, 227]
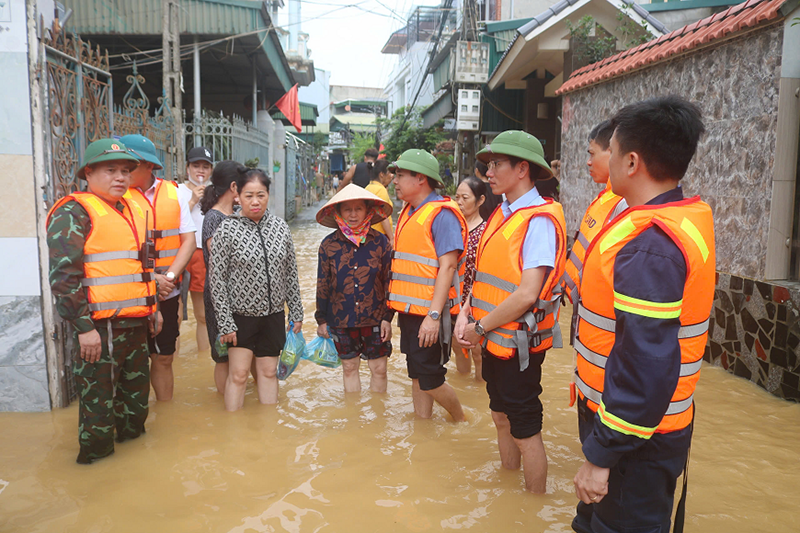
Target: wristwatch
[434, 314]
[479, 328]
[170, 276]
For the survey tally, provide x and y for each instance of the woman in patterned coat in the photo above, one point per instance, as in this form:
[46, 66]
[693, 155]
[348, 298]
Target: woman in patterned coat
[353, 285]
[253, 273]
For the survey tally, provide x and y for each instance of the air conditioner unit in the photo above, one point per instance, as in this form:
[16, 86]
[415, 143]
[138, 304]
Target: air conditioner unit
[470, 62]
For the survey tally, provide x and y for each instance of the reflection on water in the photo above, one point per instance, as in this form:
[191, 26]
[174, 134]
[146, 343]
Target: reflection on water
[320, 461]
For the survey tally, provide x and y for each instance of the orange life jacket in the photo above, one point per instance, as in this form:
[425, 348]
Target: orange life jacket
[116, 284]
[498, 273]
[415, 264]
[164, 220]
[596, 217]
[690, 224]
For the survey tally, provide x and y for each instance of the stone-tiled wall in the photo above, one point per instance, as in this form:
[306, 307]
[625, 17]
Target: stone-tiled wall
[736, 85]
[755, 333]
[755, 326]
[23, 370]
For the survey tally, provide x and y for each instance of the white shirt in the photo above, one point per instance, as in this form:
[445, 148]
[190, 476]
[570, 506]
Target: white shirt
[187, 224]
[197, 215]
[539, 248]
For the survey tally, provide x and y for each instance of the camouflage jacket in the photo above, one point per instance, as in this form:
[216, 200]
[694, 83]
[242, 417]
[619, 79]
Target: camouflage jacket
[66, 234]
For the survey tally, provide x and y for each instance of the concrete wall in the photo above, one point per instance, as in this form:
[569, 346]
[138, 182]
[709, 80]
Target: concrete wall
[23, 374]
[755, 325]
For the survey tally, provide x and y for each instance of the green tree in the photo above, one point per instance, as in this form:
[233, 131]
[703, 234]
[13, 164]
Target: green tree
[412, 135]
[361, 143]
[318, 142]
[592, 43]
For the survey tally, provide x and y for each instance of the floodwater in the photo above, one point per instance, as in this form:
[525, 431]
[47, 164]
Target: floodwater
[320, 461]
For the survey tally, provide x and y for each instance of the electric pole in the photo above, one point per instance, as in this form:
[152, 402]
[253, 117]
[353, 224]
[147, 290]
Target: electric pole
[466, 86]
[171, 49]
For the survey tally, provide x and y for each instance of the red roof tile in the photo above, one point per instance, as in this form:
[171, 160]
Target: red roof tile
[735, 18]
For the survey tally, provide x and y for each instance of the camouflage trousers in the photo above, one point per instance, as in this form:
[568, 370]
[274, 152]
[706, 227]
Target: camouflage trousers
[113, 392]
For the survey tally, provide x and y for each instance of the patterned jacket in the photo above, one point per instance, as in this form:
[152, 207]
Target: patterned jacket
[253, 270]
[353, 282]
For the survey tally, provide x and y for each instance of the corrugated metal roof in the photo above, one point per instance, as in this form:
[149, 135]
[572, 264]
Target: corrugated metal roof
[308, 115]
[143, 17]
[734, 19]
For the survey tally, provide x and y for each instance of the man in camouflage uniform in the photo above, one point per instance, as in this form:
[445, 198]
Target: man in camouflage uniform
[112, 377]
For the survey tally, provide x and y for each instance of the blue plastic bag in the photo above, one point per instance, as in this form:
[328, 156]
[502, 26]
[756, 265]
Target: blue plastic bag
[323, 352]
[293, 351]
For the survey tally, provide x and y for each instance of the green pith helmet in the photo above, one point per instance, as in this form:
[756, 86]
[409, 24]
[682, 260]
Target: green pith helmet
[143, 148]
[516, 143]
[105, 150]
[419, 161]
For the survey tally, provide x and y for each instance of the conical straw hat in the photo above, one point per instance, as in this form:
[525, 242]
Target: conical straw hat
[383, 209]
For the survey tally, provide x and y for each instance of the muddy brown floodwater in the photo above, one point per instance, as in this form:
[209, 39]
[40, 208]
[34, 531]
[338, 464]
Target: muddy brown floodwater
[320, 461]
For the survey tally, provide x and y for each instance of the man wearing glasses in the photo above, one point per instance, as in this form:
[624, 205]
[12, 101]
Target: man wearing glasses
[520, 259]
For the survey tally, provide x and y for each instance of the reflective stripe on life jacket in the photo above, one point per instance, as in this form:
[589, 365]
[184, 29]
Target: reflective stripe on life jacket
[498, 273]
[597, 216]
[415, 264]
[165, 220]
[689, 223]
[116, 284]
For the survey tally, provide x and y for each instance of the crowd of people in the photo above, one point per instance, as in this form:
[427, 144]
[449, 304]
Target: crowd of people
[482, 276]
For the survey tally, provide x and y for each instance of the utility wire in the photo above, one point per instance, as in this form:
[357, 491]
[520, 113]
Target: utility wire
[445, 15]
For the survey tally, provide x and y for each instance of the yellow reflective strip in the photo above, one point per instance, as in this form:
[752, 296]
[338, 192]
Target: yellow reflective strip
[647, 303]
[607, 196]
[617, 233]
[620, 425]
[172, 191]
[647, 312]
[692, 231]
[128, 195]
[135, 204]
[97, 205]
[512, 225]
[424, 214]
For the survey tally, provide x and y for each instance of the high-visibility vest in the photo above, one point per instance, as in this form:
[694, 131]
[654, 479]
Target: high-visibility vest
[690, 225]
[164, 220]
[596, 217]
[498, 273]
[117, 286]
[415, 264]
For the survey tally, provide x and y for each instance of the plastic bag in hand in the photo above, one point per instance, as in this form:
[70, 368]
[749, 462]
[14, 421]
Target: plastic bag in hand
[293, 351]
[323, 352]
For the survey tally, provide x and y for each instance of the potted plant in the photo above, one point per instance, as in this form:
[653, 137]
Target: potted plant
[276, 166]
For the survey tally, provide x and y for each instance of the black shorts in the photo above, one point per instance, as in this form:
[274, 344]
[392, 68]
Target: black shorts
[164, 343]
[424, 364]
[364, 341]
[262, 335]
[515, 393]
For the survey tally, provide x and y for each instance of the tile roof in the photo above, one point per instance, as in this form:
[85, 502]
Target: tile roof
[720, 25]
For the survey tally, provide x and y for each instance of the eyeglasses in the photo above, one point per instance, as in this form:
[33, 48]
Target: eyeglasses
[494, 164]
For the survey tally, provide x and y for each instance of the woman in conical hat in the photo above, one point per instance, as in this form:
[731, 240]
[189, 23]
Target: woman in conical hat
[353, 284]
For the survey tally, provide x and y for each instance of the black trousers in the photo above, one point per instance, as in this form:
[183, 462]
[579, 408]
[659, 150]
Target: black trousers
[641, 489]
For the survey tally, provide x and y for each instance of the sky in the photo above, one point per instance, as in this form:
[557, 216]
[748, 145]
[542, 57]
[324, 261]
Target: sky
[346, 36]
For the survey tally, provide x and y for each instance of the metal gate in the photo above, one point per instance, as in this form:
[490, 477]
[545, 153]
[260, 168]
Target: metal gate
[134, 117]
[79, 109]
[77, 88]
[291, 177]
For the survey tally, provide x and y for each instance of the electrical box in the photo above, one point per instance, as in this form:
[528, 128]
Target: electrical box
[470, 62]
[468, 113]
